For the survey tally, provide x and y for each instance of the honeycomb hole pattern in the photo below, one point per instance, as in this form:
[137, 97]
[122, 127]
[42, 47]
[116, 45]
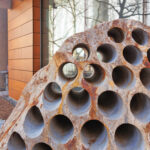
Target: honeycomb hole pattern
[132, 55]
[110, 104]
[93, 73]
[16, 142]
[145, 77]
[61, 129]
[81, 52]
[123, 77]
[94, 135]
[34, 123]
[140, 36]
[140, 107]
[116, 34]
[129, 137]
[68, 71]
[52, 96]
[78, 101]
[41, 146]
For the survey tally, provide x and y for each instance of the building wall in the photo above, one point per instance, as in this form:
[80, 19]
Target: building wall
[23, 44]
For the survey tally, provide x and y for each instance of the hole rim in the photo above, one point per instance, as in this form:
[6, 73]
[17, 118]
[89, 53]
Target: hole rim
[131, 51]
[100, 139]
[38, 146]
[138, 32]
[51, 97]
[116, 31]
[113, 109]
[34, 123]
[74, 98]
[148, 54]
[57, 123]
[107, 52]
[125, 136]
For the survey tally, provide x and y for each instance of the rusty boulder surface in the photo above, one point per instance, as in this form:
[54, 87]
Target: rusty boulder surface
[107, 110]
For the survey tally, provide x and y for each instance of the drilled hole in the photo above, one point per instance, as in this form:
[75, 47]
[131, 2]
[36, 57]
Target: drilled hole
[78, 101]
[61, 129]
[16, 142]
[148, 55]
[80, 52]
[42, 146]
[140, 107]
[94, 135]
[110, 104]
[52, 96]
[140, 36]
[145, 77]
[33, 124]
[107, 53]
[128, 137]
[132, 54]
[94, 73]
[122, 76]
[116, 34]
[68, 71]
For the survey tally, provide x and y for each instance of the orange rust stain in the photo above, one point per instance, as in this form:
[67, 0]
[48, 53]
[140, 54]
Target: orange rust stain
[83, 148]
[147, 128]
[146, 62]
[111, 83]
[71, 145]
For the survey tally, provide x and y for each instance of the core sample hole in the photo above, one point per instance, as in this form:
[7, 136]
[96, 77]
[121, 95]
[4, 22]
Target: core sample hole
[33, 124]
[68, 71]
[94, 135]
[42, 146]
[122, 76]
[132, 54]
[78, 101]
[93, 73]
[145, 77]
[61, 129]
[140, 107]
[148, 55]
[16, 142]
[52, 96]
[128, 137]
[140, 36]
[107, 53]
[110, 104]
[116, 34]
[80, 52]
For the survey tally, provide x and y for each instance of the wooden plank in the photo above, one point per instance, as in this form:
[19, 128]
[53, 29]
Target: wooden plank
[36, 52]
[14, 94]
[24, 41]
[21, 53]
[22, 30]
[19, 75]
[21, 64]
[36, 65]
[21, 19]
[36, 3]
[36, 38]
[18, 8]
[5, 3]
[16, 85]
[36, 26]
[36, 13]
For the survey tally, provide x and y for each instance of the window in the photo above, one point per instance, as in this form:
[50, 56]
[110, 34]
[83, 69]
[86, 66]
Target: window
[63, 18]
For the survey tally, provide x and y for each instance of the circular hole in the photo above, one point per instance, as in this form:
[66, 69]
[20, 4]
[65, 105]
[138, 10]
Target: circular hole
[94, 135]
[148, 55]
[132, 54]
[128, 137]
[78, 101]
[110, 104]
[52, 96]
[94, 73]
[33, 124]
[61, 129]
[122, 76]
[16, 142]
[80, 52]
[116, 34]
[140, 36]
[68, 71]
[145, 77]
[107, 53]
[42, 146]
[140, 107]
